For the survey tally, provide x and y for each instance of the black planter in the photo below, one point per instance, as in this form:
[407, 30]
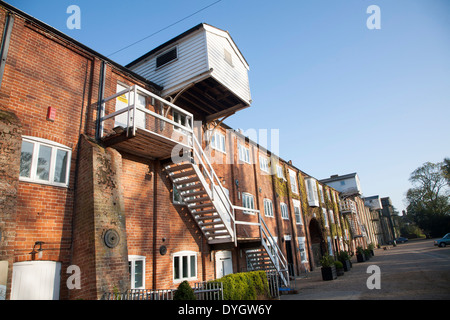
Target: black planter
[347, 265]
[340, 271]
[360, 257]
[329, 273]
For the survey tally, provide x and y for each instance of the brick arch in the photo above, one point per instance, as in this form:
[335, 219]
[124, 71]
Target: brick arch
[318, 247]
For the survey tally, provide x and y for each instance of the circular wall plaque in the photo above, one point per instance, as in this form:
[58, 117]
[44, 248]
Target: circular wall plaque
[163, 250]
[111, 238]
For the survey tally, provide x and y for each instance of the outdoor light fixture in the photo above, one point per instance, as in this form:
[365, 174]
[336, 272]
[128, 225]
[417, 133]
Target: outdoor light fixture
[39, 250]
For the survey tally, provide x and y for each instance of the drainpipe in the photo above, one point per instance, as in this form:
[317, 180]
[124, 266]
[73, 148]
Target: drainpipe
[9, 22]
[101, 104]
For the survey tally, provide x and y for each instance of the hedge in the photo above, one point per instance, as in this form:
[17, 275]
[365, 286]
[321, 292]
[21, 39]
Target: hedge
[245, 286]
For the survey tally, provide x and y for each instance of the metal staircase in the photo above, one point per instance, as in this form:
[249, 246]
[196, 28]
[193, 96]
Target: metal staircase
[193, 177]
[207, 203]
[201, 190]
[268, 256]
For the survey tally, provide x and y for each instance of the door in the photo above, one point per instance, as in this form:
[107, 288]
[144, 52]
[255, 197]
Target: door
[36, 280]
[122, 102]
[224, 264]
[289, 257]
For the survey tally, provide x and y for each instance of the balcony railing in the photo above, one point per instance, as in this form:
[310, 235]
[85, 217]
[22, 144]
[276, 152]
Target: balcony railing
[347, 206]
[155, 124]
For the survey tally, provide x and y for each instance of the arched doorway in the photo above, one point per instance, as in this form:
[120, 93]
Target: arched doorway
[317, 241]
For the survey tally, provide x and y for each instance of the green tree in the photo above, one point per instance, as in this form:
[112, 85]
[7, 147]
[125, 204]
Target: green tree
[428, 201]
[446, 169]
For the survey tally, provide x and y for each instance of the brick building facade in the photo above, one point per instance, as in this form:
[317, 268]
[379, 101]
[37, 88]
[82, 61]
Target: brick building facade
[70, 198]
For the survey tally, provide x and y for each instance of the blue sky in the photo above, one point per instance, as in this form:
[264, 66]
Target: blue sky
[345, 98]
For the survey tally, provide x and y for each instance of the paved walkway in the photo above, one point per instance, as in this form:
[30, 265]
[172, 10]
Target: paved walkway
[414, 270]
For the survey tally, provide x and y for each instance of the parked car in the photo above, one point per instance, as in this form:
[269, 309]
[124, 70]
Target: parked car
[445, 240]
[399, 240]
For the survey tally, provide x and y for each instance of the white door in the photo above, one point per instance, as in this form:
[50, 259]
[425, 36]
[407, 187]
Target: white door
[36, 280]
[122, 102]
[224, 263]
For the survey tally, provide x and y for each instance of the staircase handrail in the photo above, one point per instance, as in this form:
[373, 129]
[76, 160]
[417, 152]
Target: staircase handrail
[216, 185]
[268, 234]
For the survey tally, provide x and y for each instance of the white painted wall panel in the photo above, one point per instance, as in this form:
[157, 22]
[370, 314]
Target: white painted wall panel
[36, 280]
[234, 77]
[192, 61]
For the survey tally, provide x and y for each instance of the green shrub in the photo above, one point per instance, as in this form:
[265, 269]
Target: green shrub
[245, 286]
[184, 292]
[343, 255]
[338, 264]
[326, 261]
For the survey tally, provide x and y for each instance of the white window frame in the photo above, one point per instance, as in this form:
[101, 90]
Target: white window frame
[132, 260]
[302, 249]
[268, 208]
[181, 116]
[264, 163]
[218, 142]
[37, 143]
[280, 173]
[284, 211]
[293, 181]
[311, 192]
[180, 256]
[330, 246]
[175, 191]
[244, 153]
[331, 216]
[325, 217]
[322, 199]
[298, 217]
[248, 201]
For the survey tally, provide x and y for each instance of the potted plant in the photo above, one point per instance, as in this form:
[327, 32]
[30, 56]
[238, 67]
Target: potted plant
[344, 258]
[339, 268]
[328, 268]
[367, 254]
[360, 256]
[370, 247]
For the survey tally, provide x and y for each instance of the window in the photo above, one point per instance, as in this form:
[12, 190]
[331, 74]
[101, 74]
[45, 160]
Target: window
[45, 161]
[264, 163]
[227, 56]
[166, 57]
[293, 180]
[297, 211]
[311, 191]
[302, 248]
[136, 268]
[248, 202]
[177, 199]
[330, 246]
[325, 217]
[280, 172]
[181, 119]
[184, 266]
[268, 208]
[284, 211]
[218, 141]
[244, 153]
[331, 216]
[321, 194]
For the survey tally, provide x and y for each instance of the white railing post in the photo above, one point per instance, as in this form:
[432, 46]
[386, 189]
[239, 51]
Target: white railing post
[134, 109]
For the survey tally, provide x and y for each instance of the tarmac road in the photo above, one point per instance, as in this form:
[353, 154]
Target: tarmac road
[416, 270]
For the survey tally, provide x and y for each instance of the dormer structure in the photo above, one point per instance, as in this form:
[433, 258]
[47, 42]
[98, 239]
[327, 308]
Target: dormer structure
[347, 184]
[202, 71]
